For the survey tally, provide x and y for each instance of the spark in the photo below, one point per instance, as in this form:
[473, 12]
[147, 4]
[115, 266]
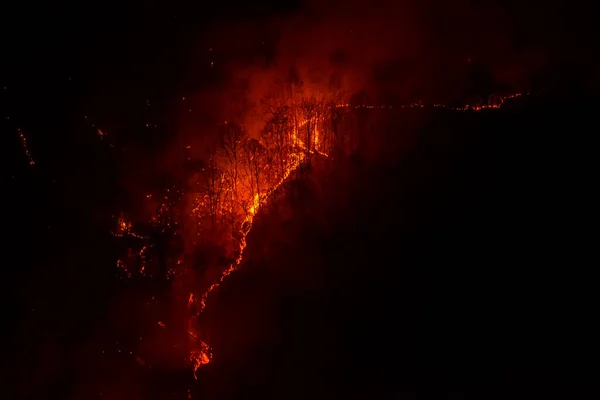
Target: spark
[25, 147]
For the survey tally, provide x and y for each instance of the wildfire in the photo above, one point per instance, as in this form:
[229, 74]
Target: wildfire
[257, 202]
[202, 354]
[479, 107]
[473, 107]
[250, 197]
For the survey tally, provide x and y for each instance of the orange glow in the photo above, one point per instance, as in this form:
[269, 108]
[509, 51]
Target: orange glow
[200, 356]
[235, 187]
[25, 147]
[125, 228]
[258, 201]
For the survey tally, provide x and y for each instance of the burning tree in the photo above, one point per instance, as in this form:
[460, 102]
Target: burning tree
[232, 144]
[233, 180]
[213, 188]
[310, 109]
[254, 153]
[277, 136]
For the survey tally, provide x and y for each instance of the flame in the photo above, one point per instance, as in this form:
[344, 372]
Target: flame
[201, 353]
[257, 202]
[200, 356]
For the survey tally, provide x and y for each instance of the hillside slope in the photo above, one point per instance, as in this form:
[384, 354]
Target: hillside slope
[427, 275]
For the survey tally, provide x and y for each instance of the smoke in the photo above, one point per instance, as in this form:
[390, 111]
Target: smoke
[404, 50]
[412, 49]
[331, 46]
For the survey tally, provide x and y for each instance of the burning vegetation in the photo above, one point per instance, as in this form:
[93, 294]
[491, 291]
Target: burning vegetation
[228, 190]
[184, 174]
[241, 173]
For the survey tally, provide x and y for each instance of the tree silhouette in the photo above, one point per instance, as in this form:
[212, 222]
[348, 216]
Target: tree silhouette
[232, 144]
[277, 132]
[309, 108]
[254, 153]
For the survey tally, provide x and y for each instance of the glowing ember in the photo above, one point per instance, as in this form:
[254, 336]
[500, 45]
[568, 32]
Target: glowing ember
[25, 147]
[257, 202]
[125, 228]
